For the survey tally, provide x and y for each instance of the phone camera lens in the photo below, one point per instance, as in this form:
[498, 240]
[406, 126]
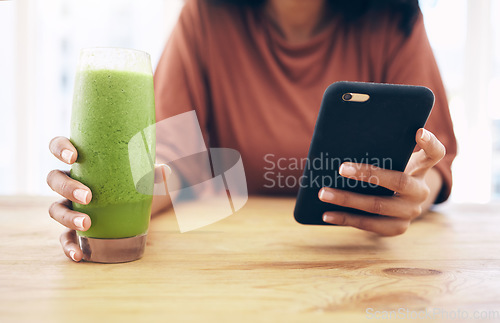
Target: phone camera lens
[347, 96]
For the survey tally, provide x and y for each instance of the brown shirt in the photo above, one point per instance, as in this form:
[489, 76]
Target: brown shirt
[255, 92]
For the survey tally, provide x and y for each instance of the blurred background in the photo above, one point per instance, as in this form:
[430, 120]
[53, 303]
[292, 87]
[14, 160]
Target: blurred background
[40, 43]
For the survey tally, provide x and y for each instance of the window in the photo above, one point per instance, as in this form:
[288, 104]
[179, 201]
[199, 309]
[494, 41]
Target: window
[467, 48]
[40, 46]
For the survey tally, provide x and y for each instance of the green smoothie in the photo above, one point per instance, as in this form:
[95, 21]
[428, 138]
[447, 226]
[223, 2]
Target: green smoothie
[109, 108]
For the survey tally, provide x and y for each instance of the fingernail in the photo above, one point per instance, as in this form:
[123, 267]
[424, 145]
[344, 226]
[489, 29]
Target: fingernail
[425, 136]
[331, 218]
[162, 172]
[325, 195]
[66, 155]
[346, 169]
[79, 222]
[72, 254]
[81, 195]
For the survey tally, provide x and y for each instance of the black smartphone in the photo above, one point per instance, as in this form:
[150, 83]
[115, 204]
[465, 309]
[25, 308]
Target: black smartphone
[369, 123]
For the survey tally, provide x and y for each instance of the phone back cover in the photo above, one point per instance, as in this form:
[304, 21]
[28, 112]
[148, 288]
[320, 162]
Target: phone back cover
[380, 131]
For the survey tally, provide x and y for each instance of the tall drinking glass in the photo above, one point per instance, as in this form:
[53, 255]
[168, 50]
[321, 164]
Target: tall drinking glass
[113, 101]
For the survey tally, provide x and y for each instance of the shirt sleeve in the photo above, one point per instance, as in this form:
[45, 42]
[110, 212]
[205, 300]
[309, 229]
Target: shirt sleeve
[180, 80]
[410, 60]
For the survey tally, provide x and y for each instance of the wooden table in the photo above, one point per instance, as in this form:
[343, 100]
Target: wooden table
[257, 265]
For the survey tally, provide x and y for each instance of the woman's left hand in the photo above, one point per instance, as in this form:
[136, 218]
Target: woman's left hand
[397, 211]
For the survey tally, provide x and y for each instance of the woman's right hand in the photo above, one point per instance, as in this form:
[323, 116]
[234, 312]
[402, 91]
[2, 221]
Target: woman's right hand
[60, 182]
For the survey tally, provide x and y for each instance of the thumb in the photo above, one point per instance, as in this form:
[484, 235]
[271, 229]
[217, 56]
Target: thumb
[431, 153]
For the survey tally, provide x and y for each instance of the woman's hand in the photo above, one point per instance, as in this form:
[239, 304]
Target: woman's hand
[416, 189]
[60, 182]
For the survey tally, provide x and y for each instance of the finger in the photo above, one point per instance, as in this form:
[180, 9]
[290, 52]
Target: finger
[394, 180]
[63, 149]
[414, 162]
[384, 205]
[381, 225]
[70, 245]
[162, 172]
[432, 152]
[68, 187]
[62, 213]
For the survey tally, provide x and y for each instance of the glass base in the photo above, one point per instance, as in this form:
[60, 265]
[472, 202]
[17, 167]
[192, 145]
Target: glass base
[112, 250]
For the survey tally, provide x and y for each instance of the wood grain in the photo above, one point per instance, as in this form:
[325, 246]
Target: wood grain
[257, 265]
